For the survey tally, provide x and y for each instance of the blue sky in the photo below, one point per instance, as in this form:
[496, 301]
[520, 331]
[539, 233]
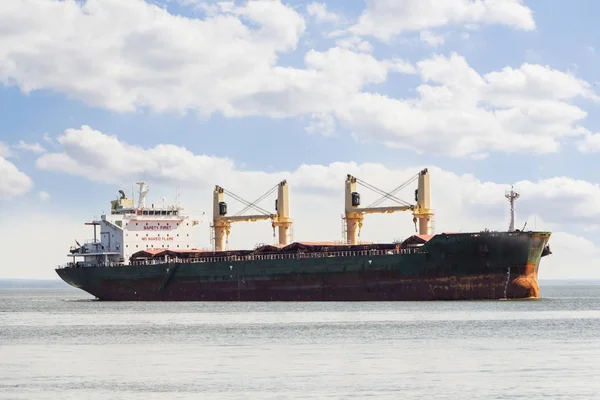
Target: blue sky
[211, 90]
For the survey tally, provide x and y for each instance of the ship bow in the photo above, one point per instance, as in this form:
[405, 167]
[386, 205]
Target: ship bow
[523, 280]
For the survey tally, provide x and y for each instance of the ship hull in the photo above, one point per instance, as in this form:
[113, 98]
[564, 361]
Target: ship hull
[471, 266]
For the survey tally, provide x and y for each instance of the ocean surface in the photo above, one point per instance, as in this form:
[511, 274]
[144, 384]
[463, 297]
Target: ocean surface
[61, 344]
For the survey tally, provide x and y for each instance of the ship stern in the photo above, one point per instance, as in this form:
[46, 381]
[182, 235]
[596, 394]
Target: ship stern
[73, 276]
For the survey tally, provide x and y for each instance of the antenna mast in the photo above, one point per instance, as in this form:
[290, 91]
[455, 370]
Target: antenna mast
[512, 196]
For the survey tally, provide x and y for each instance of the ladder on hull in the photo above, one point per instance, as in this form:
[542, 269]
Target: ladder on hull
[170, 271]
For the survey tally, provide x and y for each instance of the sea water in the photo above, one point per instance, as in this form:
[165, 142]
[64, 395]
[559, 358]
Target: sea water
[62, 344]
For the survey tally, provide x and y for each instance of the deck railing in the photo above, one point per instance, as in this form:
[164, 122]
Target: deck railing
[260, 257]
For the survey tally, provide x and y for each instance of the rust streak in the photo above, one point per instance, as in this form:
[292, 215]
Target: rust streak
[526, 283]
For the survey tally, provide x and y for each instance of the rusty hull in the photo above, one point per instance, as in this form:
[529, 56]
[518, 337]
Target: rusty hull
[464, 266]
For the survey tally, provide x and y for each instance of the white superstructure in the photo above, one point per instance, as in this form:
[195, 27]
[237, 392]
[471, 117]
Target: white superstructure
[131, 227]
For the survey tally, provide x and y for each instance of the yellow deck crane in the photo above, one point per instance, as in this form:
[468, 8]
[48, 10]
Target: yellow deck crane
[354, 214]
[221, 225]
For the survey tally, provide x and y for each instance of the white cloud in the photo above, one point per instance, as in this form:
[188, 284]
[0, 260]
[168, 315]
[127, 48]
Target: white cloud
[385, 19]
[563, 200]
[323, 124]
[103, 158]
[148, 57]
[221, 64]
[462, 113]
[535, 83]
[82, 156]
[321, 14]
[211, 9]
[33, 147]
[12, 182]
[590, 143]
[573, 257]
[44, 195]
[330, 79]
[354, 43]
[4, 150]
[431, 38]
[461, 202]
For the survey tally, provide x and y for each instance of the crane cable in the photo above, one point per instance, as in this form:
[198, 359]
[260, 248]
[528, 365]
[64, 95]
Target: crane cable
[247, 203]
[396, 190]
[381, 192]
[253, 204]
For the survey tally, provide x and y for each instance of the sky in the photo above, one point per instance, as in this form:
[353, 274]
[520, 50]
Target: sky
[187, 94]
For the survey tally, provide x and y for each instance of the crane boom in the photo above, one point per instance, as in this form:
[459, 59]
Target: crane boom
[354, 214]
[382, 210]
[249, 218]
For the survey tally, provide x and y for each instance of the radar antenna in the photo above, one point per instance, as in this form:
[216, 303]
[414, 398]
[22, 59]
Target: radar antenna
[511, 196]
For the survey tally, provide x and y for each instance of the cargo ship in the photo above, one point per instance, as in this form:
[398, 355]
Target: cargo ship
[149, 254]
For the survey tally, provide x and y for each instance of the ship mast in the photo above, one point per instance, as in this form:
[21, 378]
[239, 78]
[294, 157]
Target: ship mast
[143, 191]
[511, 196]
